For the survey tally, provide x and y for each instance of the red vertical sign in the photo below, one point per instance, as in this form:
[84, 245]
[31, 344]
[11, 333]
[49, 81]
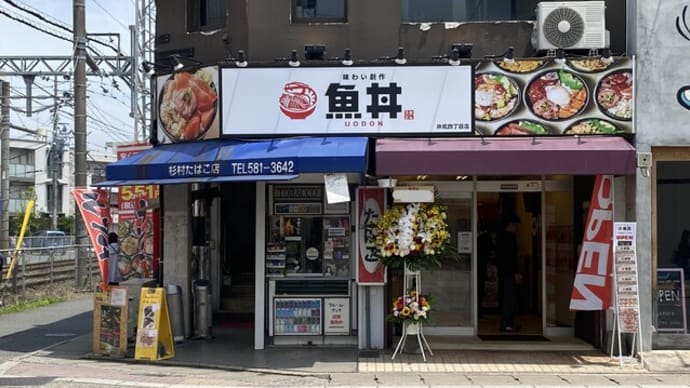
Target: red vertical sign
[371, 201]
[593, 284]
[138, 224]
[94, 207]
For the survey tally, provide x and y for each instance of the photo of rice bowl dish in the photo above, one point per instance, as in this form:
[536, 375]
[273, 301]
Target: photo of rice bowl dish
[590, 65]
[495, 96]
[614, 94]
[556, 95]
[521, 65]
[522, 128]
[188, 105]
[591, 127]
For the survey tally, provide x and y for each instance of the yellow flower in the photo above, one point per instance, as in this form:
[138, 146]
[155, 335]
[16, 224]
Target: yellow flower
[405, 312]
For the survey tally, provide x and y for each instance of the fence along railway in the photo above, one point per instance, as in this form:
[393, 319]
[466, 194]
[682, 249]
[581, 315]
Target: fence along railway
[43, 267]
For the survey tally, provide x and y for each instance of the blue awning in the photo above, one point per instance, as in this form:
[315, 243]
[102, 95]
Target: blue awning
[225, 160]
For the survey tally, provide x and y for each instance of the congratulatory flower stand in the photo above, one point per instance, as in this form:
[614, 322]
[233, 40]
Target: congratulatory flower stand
[415, 307]
[411, 236]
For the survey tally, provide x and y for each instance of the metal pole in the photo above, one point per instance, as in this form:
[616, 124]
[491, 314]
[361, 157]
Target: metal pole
[54, 158]
[135, 80]
[79, 25]
[5, 167]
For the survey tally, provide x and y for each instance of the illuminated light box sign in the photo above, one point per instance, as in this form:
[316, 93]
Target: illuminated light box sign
[337, 100]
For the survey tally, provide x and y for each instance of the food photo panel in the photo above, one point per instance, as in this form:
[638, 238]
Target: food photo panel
[540, 97]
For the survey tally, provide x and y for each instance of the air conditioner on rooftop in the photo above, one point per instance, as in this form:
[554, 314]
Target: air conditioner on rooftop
[570, 25]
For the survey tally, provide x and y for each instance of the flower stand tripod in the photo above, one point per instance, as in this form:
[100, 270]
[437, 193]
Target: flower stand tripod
[412, 279]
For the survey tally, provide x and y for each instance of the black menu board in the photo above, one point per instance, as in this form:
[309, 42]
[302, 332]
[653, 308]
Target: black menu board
[670, 300]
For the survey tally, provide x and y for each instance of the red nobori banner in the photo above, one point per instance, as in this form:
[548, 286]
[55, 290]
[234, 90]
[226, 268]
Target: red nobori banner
[129, 198]
[592, 288]
[371, 201]
[94, 207]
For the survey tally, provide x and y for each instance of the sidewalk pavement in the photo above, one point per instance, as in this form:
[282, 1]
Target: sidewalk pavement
[230, 355]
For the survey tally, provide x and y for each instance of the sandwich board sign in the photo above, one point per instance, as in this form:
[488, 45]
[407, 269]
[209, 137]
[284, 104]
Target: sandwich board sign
[154, 334]
[110, 322]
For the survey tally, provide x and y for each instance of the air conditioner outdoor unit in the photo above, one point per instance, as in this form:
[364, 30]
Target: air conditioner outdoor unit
[570, 25]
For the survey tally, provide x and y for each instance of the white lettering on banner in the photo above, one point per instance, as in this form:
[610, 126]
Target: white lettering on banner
[592, 285]
[591, 300]
[589, 250]
[277, 167]
[198, 169]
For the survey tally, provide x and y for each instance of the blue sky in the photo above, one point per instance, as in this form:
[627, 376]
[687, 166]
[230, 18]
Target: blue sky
[107, 108]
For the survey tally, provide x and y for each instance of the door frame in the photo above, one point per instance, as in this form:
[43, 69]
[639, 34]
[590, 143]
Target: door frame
[471, 188]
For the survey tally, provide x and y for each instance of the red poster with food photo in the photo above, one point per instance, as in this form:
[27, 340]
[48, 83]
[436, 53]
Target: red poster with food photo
[137, 226]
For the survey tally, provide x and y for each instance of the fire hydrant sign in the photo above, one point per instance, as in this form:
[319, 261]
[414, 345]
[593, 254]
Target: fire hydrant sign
[154, 334]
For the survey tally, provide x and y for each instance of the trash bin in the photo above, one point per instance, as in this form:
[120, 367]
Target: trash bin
[174, 297]
[202, 309]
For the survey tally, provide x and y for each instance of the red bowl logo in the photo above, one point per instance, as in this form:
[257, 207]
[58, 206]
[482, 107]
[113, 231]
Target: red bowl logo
[298, 100]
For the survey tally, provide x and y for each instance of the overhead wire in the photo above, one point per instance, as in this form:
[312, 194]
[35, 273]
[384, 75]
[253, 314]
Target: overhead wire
[6, 13]
[54, 22]
[109, 14]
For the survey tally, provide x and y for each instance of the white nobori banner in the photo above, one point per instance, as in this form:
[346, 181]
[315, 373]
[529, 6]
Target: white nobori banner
[347, 100]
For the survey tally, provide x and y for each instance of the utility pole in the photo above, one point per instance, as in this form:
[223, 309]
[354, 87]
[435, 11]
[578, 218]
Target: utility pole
[79, 28]
[55, 158]
[5, 166]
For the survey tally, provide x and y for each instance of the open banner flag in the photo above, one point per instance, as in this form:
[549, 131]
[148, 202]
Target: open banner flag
[95, 210]
[593, 283]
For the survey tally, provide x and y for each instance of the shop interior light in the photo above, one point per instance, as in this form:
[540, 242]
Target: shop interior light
[509, 56]
[347, 58]
[606, 56]
[454, 59]
[400, 58]
[294, 61]
[464, 49]
[241, 60]
[560, 56]
[314, 52]
[387, 182]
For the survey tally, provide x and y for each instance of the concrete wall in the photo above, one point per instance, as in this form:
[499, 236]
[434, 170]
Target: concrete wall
[663, 57]
[263, 28]
[177, 242]
[662, 63]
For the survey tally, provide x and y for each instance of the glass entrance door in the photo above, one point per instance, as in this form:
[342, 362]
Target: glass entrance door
[451, 286]
[509, 243]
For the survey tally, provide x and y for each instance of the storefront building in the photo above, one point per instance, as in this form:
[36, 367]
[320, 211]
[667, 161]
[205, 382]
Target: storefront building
[250, 172]
[662, 179]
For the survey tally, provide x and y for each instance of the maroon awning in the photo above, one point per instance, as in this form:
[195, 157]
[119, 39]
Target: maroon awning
[583, 155]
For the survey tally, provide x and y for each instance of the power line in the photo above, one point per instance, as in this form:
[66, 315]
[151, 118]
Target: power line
[35, 13]
[57, 23]
[109, 14]
[4, 11]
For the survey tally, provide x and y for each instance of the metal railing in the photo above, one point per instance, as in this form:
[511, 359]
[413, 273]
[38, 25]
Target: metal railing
[47, 267]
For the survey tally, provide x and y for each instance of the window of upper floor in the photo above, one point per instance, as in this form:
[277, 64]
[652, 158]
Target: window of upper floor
[206, 15]
[319, 11]
[429, 11]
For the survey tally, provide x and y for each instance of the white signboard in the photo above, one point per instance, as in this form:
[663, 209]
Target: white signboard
[347, 100]
[336, 316]
[625, 270]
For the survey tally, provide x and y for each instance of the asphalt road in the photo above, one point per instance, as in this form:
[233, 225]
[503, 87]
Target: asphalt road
[36, 329]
